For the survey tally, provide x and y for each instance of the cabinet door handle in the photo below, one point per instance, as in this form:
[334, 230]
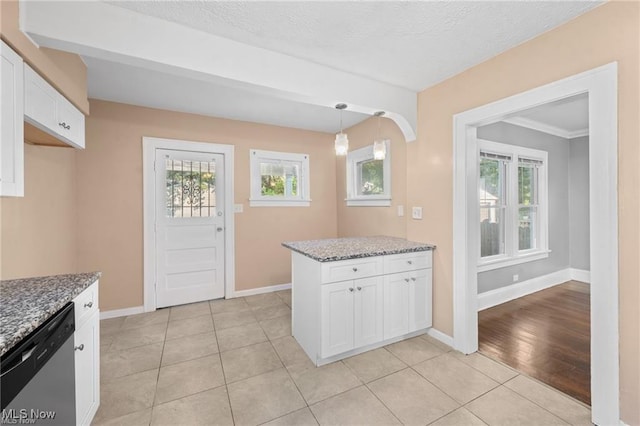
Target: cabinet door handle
[359, 288]
[88, 304]
[350, 288]
[65, 125]
[409, 262]
[355, 269]
[79, 348]
[413, 279]
[406, 279]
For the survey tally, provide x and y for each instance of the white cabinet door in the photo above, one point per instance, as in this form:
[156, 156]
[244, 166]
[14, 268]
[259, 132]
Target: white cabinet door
[40, 101]
[396, 305]
[420, 300]
[337, 318]
[70, 122]
[368, 311]
[11, 124]
[87, 365]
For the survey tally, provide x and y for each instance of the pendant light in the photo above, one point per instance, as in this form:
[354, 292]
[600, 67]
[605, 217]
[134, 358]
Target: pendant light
[342, 141]
[379, 144]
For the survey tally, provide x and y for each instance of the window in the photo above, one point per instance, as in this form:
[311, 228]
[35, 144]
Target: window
[368, 179]
[279, 179]
[512, 195]
[191, 188]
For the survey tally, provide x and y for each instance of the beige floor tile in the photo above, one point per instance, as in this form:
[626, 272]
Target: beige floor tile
[263, 300]
[355, 407]
[161, 316]
[302, 417]
[204, 408]
[412, 398]
[190, 310]
[265, 397]
[233, 319]
[139, 418]
[238, 337]
[291, 353]
[105, 342]
[374, 364]
[415, 350]
[557, 403]
[111, 326]
[503, 406]
[126, 395]
[189, 377]
[277, 327]
[273, 311]
[436, 342]
[229, 305]
[189, 327]
[460, 417]
[491, 368]
[121, 363]
[189, 347]
[317, 384]
[458, 380]
[249, 361]
[285, 295]
[142, 336]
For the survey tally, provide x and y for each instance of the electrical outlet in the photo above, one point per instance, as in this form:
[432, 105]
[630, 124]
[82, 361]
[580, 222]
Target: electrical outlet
[515, 278]
[238, 208]
[400, 211]
[416, 212]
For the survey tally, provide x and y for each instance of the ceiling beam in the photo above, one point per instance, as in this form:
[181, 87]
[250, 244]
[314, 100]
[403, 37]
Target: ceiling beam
[108, 32]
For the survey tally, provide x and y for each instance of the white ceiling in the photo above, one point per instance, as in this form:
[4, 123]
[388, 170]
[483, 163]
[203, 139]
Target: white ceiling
[567, 118]
[407, 44]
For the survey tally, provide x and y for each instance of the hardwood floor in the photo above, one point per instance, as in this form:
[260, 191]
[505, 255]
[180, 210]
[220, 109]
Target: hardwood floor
[545, 335]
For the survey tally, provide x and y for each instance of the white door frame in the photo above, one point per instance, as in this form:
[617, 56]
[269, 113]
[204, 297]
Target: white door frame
[149, 146]
[601, 84]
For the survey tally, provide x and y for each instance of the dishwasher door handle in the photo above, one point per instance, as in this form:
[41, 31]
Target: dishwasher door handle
[25, 357]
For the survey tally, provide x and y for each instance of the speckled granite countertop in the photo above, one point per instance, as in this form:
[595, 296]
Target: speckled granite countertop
[352, 248]
[28, 302]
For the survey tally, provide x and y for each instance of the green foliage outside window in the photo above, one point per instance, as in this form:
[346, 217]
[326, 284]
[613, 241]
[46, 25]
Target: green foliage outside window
[371, 177]
[274, 185]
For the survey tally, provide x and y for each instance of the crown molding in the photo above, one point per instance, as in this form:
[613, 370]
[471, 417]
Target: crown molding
[546, 128]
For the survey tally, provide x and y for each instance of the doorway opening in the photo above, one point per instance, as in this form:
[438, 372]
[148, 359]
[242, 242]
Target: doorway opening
[188, 222]
[600, 88]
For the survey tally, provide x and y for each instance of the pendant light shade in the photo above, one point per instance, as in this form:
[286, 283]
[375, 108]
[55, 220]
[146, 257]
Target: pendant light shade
[342, 141]
[379, 144]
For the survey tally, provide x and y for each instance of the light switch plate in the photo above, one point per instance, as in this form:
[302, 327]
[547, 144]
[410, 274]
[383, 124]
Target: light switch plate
[400, 210]
[416, 212]
[238, 208]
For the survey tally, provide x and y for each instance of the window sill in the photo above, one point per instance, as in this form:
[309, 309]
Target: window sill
[510, 261]
[279, 203]
[368, 202]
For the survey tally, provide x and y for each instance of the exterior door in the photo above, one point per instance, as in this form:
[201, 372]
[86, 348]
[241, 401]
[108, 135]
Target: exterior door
[189, 226]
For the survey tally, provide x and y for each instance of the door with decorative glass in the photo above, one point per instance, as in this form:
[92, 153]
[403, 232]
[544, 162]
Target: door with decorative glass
[189, 226]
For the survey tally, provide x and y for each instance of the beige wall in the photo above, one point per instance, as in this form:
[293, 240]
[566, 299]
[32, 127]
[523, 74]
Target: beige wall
[38, 231]
[110, 196]
[63, 70]
[609, 33]
[362, 221]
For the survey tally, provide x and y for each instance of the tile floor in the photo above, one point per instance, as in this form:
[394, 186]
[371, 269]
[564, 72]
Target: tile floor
[235, 362]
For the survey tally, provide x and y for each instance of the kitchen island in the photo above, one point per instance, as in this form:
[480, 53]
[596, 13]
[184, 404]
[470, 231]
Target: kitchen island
[351, 295]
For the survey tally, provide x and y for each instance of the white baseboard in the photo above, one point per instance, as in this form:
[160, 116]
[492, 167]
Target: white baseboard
[580, 275]
[261, 290]
[501, 295]
[439, 335]
[121, 312]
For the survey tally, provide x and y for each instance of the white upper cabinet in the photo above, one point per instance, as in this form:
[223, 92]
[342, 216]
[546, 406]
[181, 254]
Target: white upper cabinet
[11, 127]
[48, 110]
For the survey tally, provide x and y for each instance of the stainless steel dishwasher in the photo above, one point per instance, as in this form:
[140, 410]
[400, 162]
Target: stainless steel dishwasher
[37, 377]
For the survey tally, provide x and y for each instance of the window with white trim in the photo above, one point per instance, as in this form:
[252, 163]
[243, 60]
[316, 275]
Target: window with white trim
[368, 179]
[513, 210]
[279, 179]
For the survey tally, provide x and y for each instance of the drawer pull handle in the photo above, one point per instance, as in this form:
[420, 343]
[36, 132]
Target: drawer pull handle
[355, 269]
[88, 304]
[406, 279]
[410, 262]
[79, 348]
[359, 288]
[350, 288]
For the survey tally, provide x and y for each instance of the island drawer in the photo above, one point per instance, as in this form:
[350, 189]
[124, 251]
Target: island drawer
[86, 303]
[351, 269]
[407, 262]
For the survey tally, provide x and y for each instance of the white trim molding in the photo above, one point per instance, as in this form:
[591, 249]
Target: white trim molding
[353, 159]
[125, 312]
[601, 86]
[546, 128]
[580, 275]
[149, 147]
[504, 294]
[439, 335]
[261, 290]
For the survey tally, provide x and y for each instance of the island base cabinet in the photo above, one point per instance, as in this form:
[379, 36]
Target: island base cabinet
[87, 365]
[351, 315]
[407, 302]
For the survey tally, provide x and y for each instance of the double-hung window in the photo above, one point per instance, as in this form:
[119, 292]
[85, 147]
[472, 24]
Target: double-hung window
[279, 179]
[513, 211]
[368, 179]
